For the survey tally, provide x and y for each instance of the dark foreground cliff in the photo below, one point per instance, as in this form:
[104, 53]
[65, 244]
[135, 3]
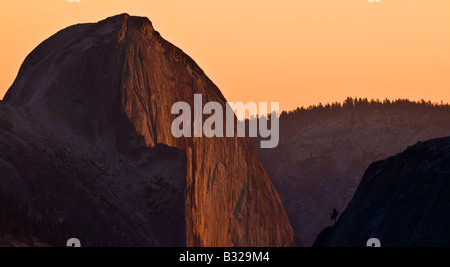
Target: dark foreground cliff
[402, 201]
[88, 130]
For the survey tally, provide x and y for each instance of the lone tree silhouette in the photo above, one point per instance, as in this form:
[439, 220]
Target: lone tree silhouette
[334, 215]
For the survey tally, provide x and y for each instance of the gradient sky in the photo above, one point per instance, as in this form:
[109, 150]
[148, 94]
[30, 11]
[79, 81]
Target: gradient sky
[297, 52]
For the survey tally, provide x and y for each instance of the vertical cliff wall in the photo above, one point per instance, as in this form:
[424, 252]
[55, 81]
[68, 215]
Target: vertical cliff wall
[91, 83]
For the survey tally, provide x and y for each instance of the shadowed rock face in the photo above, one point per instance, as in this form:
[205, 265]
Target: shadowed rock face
[10, 241]
[402, 201]
[131, 198]
[97, 85]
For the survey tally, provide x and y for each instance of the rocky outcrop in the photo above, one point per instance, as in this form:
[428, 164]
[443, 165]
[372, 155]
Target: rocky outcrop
[402, 201]
[101, 88]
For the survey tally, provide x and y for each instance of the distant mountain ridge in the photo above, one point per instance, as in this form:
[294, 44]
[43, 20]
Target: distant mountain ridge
[325, 149]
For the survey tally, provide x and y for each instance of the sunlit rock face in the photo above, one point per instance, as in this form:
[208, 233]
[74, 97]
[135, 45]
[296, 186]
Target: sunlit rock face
[105, 87]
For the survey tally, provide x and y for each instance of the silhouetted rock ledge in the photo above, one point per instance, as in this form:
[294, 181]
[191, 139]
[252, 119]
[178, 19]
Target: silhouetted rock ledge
[402, 201]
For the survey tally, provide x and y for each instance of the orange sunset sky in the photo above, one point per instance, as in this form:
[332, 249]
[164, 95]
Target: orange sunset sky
[297, 52]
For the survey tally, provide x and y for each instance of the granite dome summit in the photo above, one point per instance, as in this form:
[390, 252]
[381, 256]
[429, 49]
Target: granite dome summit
[103, 91]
